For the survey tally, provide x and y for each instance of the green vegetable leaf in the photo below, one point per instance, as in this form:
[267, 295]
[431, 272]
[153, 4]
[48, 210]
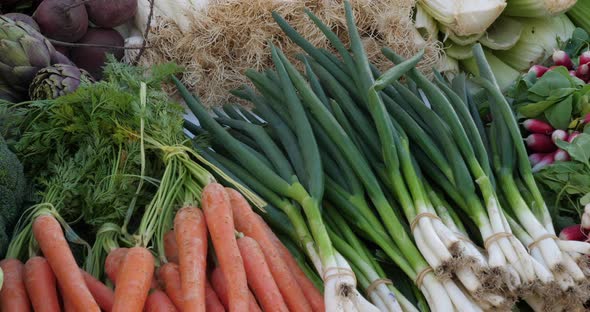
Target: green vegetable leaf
[532, 110]
[557, 78]
[559, 115]
[579, 148]
[578, 41]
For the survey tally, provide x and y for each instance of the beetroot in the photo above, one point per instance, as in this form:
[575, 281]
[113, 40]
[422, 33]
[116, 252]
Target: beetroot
[110, 14]
[62, 20]
[19, 17]
[93, 59]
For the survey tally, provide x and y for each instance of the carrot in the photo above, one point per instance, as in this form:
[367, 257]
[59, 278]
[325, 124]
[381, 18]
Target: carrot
[157, 301]
[212, 303]
[49, 235]
[218, 215]
[312, 294]
[169, 278]
[252, 225]
[191, 235]
[219, 285]
[13, 296]
[134, 280]
[259, 276]
[113, 262]
[170, 247]
[67, 305]
[41, 285]
[103, 295]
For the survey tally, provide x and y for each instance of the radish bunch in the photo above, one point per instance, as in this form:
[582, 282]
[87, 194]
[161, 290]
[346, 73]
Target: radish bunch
[541, 143]
[578, 232]
[561, 58]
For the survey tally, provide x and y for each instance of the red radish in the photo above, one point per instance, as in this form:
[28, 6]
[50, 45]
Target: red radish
[573, 232]
[540, 143]
[572, 136]
[559, 135]
[561, 155]
[109, 13]
[62, 20]
[537, 126]
[560, 58]
[539, 70]
[585, 58]
[536, 158]
[586, 118]
[573, 73]
[583, 72]
[546, 161]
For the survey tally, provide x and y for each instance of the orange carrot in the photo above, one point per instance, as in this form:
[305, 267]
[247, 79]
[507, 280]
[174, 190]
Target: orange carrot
[218, 215]
[134, 280]
[49, 235]
[191, 236]
[157, 301]
[113, 262]
[212, 303]
[170, 247]
[312, 294]
[252, 225]
[13, 296]
[169, 278]
[220, 286]
[259, 277]
[67, 305]
[41, 285]
[103, 295]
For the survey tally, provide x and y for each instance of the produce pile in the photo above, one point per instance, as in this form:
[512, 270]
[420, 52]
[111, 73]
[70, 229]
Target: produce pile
[344, 175]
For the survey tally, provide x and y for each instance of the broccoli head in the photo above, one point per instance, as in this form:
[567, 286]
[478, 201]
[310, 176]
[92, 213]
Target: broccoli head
[12, 193]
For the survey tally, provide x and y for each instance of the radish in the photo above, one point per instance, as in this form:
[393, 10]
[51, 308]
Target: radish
[559, 135]
[585, 58]
[92, 59]
[539, 70]
[583, 72]
[537, 126]
[62, 20]
[586, 118]
[561, 155]
[573, 73]
[536, 158]
[573, 232]
[110, 14]
[586, 218]
[546, 161]
[540, 143]
[560, 58]
[572, 136]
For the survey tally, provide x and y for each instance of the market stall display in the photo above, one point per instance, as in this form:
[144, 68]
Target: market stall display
[324, 156]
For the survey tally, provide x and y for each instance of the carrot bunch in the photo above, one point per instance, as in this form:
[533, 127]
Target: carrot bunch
[252, 271]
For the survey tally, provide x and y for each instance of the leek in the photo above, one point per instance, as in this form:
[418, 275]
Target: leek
[465, 17]
[540, 37]
[580, 14]
[538, 8]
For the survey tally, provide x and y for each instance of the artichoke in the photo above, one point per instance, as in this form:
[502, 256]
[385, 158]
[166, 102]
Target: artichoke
[57, 80]
[23, 52]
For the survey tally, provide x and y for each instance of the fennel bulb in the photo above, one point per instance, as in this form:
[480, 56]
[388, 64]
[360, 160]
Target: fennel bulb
[464, 17]
[538, 8]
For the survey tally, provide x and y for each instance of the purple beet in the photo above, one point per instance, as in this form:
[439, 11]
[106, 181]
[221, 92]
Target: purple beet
[93, 59]
[63, 20]
[110, 14]
[19, 17]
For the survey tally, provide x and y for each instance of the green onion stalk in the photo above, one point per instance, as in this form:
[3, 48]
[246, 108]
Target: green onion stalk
[531, 218]
[416, 189]
[291, 192]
